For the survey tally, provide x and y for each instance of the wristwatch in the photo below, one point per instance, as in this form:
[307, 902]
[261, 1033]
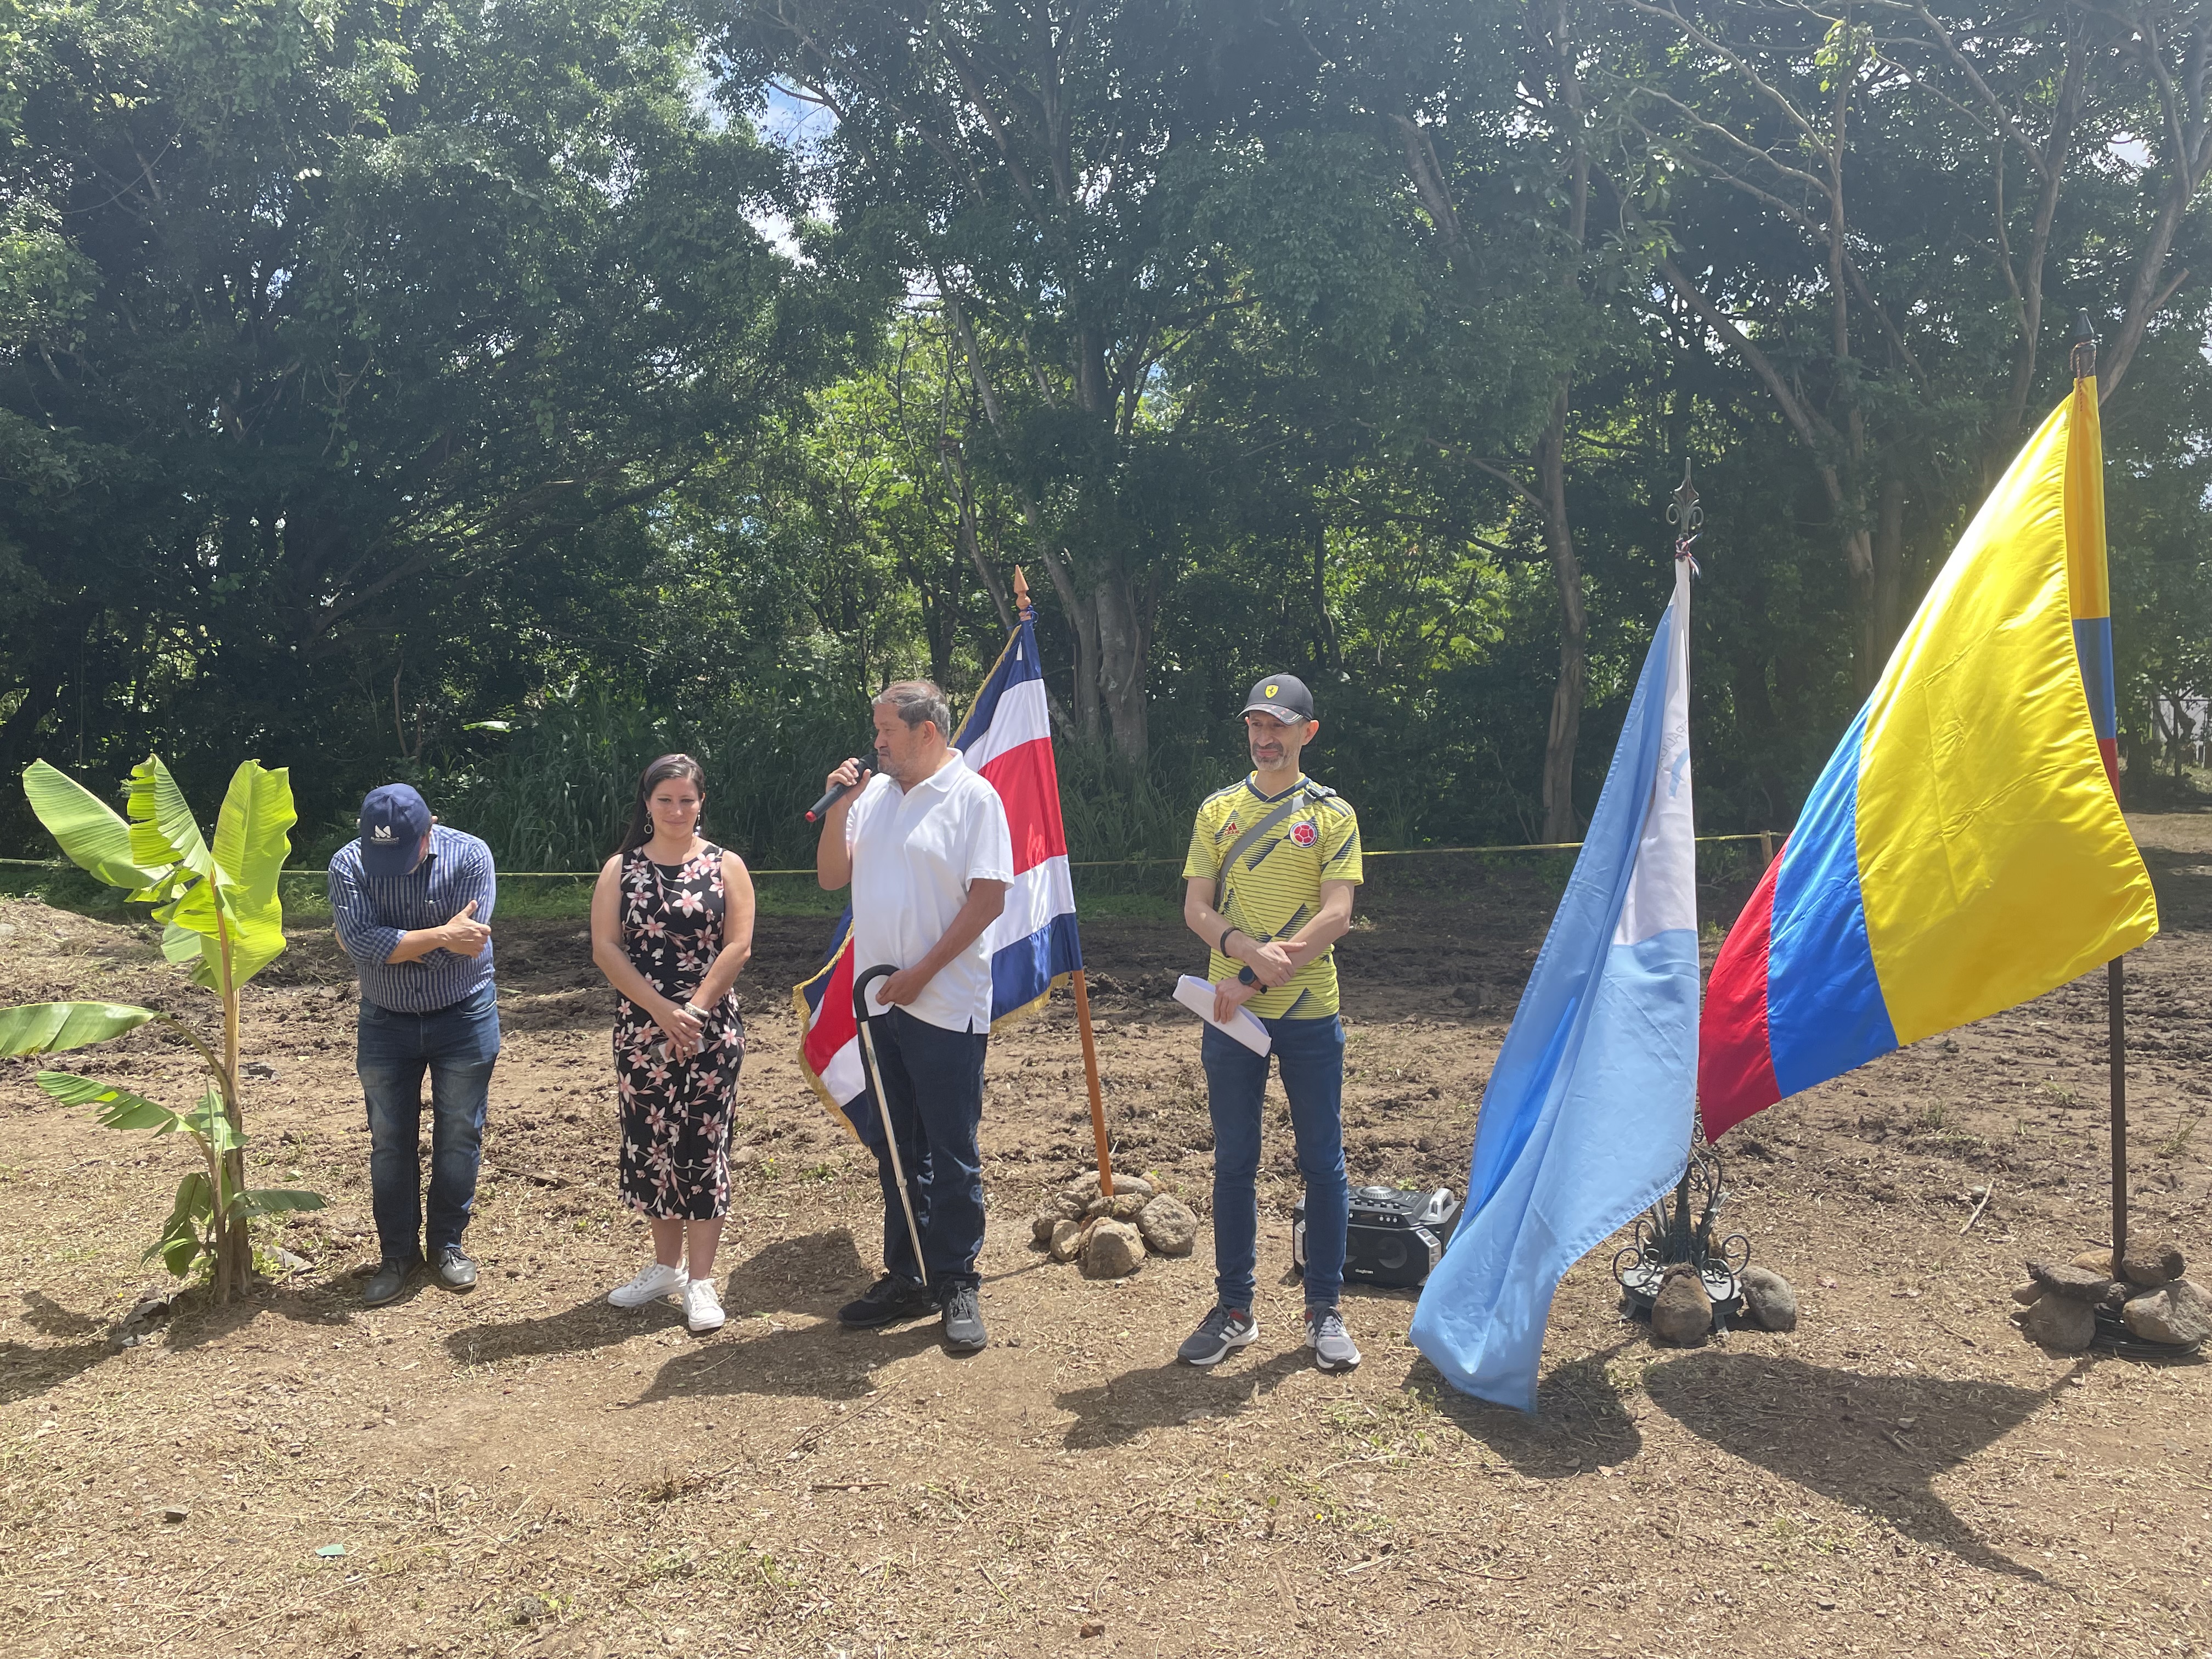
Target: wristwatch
[1246, 977]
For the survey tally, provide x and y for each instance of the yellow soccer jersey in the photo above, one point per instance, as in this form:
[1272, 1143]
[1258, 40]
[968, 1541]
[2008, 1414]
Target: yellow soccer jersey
[1276, 886]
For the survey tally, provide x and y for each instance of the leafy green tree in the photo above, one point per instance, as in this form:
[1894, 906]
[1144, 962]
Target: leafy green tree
[1024, 164]
[345, 352]
[1869, 206]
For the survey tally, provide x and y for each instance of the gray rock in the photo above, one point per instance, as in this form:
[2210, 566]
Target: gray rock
[529, 1610]
[1682, 1316]
[1767, 1294]
[1122, 1207]
[1041, 1224]
[2080, 1285]
[1063, 1203]
[1114, 1250]
[2149, 1265]
[2060, 1323]
[2179, 1313]
[1167, 1226]
[1066, 1239]
[2027, 1293]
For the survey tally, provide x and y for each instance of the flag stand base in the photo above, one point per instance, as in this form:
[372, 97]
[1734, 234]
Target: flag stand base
[1683, 1234]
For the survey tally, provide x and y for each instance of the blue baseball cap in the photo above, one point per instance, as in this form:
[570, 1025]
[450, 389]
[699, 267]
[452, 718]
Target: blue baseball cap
[393, 821]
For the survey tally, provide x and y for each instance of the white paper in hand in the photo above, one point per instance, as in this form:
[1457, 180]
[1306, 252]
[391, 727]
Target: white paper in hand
[1197, 995]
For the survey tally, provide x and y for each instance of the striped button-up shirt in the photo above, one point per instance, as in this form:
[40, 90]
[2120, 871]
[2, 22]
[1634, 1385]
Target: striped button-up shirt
[372, 912]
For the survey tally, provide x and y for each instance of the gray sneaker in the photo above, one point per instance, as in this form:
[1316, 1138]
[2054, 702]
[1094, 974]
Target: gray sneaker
[1222, 1329]
[1330, 1341]
[963, 1321]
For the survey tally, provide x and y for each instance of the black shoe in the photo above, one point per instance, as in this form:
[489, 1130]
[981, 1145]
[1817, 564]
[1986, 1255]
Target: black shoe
[455, 1271]
[963, 1321]
[889, 1300]
[387, 1282]
[1216, 1334]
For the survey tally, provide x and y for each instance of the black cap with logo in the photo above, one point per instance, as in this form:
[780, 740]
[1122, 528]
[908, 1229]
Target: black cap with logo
[1282, 695]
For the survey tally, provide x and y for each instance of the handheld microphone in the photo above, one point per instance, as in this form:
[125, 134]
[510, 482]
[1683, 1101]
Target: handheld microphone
[814, 812]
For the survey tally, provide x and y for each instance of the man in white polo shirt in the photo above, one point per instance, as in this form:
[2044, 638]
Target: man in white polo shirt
[925, 845]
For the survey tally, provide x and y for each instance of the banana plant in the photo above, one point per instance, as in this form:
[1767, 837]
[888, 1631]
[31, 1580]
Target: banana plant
[219, 911]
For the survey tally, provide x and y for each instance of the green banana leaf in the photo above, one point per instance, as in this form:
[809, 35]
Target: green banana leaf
[179, 1246]
[47, 1028]
[163, 831]
[92, 834]
[251, 845]
[250, 834]
[118, 1108]
[212, 1124]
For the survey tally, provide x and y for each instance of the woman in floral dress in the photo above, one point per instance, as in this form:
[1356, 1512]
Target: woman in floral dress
[671, 928]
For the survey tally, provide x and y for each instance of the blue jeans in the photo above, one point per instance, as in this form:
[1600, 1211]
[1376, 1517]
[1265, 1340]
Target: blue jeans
[934, 1085]
[1311, 1054]
[457, 1046]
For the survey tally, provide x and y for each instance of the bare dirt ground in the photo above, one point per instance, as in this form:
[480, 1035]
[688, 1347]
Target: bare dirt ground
[526, 1469]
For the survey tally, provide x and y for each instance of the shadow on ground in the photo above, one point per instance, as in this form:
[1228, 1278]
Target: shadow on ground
[821, 1361]
[1122, 1408]
[1579, 1425]
[1875, 1443]
[809, 1275]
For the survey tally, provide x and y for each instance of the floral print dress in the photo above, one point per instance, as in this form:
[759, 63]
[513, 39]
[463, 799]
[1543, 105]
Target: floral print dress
[677, 1115]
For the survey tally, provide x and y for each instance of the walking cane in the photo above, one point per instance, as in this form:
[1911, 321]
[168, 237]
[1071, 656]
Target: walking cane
[860, 983]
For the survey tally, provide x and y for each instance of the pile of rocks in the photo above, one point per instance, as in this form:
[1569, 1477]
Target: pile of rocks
[1111, 1235]
[1684, 1313]
[2148, 1295]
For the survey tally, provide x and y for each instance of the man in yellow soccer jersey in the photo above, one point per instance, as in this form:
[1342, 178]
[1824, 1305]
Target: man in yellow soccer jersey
[1272, 862]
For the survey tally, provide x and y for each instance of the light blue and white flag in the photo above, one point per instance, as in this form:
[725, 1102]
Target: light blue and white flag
[1587, 1118]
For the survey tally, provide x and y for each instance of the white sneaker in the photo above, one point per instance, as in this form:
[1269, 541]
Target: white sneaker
[702, 1308]
[651, 1285]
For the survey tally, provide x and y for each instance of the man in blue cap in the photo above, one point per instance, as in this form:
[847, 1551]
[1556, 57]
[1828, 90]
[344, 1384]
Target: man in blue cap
[412, 902]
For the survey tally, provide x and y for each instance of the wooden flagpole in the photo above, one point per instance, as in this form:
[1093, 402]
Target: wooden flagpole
[1028, 613]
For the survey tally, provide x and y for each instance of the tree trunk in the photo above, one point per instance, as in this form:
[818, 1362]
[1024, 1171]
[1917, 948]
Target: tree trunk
[1331, 654]
[1121, 652]
[1888, 565]
[1561, 821]
[1082, 612]
[1869, 656]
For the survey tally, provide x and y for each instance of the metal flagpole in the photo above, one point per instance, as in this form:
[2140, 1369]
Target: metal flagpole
[2115, 973]
[1027, 612]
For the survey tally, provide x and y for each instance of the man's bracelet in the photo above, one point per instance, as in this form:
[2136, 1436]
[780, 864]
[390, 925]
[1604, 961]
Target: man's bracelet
[1223, 944]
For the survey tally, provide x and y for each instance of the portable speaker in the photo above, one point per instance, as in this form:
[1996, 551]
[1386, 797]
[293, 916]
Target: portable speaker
[1393, 1238]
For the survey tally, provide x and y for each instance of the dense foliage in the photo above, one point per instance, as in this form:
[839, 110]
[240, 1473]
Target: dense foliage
[497, 396]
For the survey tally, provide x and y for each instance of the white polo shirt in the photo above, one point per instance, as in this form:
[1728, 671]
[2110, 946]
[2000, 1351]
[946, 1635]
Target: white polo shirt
[914, 854]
